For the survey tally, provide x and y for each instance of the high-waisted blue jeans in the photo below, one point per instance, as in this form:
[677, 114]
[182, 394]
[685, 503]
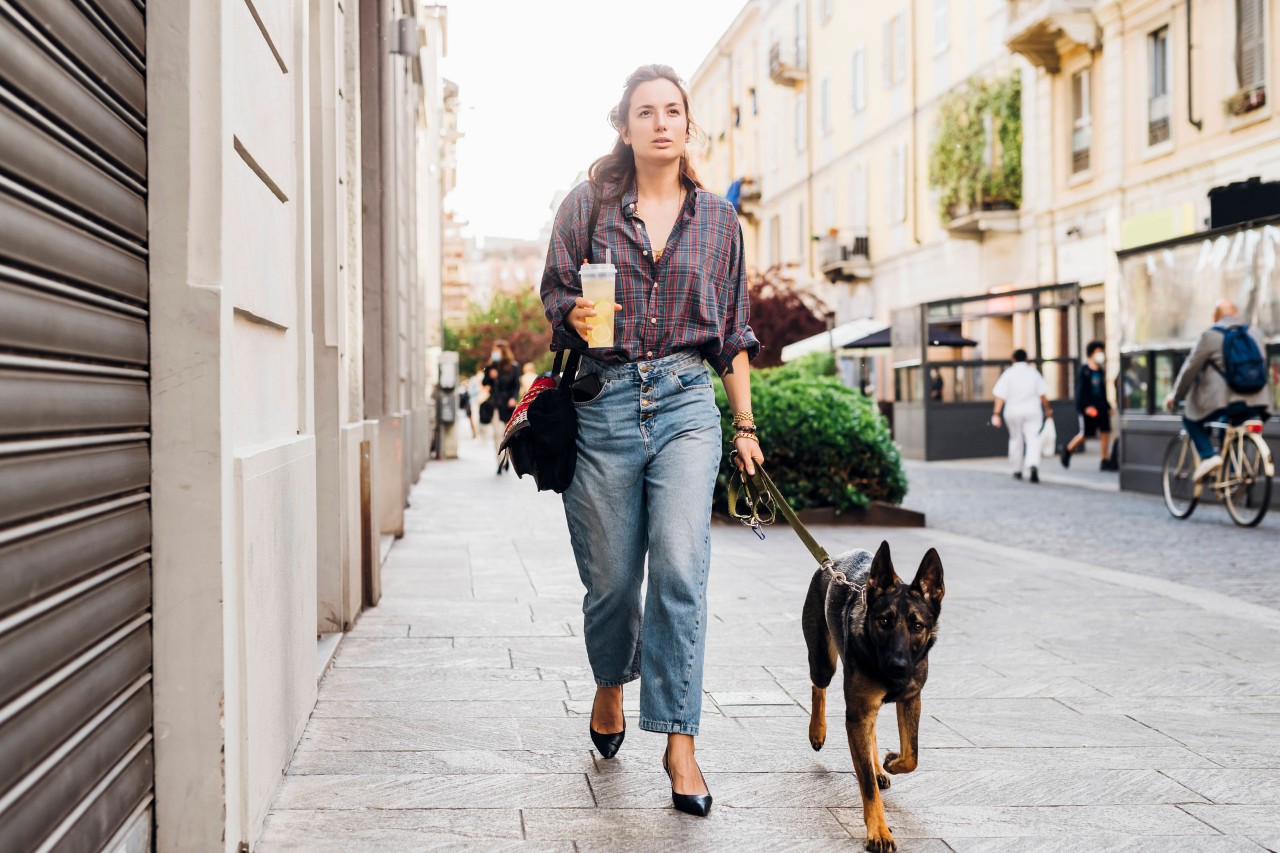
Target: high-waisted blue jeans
[649, 447]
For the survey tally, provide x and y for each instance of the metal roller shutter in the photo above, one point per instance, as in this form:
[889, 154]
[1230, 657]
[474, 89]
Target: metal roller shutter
[75, 569]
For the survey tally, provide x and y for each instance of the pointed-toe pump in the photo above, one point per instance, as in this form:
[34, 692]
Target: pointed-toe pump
[608, 745]
[698, 805]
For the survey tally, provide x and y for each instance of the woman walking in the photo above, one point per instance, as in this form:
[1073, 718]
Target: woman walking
[502, 378]
[649, 442]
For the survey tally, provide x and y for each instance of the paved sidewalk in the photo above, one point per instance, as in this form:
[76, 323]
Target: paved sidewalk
[1069, 707]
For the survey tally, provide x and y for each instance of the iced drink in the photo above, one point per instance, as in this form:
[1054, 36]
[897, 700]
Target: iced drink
[598, 287]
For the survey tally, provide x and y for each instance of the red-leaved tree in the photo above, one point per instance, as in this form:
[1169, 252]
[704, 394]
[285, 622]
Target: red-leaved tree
[782, 313]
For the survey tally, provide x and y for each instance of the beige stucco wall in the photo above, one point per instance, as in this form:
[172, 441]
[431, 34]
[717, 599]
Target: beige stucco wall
[258, 401]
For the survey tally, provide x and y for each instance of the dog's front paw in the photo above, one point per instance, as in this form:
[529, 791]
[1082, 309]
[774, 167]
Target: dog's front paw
[882, 781]
[817, 733]
[896, 764]
[881, 842]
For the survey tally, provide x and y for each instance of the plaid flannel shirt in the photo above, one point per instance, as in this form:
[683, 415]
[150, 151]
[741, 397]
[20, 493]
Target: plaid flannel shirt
[694, 297]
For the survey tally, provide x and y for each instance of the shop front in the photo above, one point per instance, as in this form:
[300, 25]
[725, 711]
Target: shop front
[947, 356]
[1167, 296]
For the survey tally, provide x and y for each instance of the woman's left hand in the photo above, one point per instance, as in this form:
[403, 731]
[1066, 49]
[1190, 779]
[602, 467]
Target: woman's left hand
[749, 454]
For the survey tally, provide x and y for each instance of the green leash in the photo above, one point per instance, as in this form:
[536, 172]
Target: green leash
[764, 502]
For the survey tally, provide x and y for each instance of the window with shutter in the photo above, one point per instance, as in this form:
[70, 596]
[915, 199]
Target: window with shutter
[901, 177]
[1158, 99]
[1251, 59]
[859, 79]
[825, 106]
[899, 48]
[941, 25]
[801, 131]
[1081, 122]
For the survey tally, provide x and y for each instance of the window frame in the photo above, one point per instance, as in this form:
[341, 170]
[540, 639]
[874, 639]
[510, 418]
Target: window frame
[941, 35]
[1081, 120]
[1259, 84]
[860, 78]
[1159, 87]
[825, 123]
[802, 132]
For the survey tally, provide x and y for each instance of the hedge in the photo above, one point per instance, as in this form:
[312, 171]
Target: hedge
[824, 445]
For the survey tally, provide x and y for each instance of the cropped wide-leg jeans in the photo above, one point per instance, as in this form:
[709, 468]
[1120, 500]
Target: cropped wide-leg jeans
[649, 447]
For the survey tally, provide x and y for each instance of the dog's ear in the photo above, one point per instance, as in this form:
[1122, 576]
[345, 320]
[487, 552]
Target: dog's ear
[882, 576]
[928, 581]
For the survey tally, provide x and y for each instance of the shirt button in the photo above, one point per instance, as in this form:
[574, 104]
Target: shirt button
[653, 319]
[649, 354]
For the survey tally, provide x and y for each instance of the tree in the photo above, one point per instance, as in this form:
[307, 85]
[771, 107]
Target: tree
[782, 313]
[515, 318]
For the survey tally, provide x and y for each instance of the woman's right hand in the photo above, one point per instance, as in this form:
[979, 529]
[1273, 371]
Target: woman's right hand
[580, 316]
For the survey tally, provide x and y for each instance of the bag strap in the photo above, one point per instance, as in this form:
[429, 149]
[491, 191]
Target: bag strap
[575, 355]
[761, 493]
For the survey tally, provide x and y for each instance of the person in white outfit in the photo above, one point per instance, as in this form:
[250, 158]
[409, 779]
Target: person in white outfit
[1022, 396]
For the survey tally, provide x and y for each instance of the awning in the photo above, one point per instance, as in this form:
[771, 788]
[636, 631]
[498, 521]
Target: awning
[838, 337]
[939, 336]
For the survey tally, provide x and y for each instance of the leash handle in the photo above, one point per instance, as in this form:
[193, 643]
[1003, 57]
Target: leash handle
[759, 491]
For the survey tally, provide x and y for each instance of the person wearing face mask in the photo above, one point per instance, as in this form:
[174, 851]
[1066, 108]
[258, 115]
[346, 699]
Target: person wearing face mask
[502, 378]
[1092, 407]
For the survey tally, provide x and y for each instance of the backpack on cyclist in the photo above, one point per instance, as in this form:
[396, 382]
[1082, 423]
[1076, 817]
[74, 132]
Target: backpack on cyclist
[1244, 368]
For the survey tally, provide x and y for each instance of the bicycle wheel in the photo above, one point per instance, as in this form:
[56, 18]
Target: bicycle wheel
[1180, 492]
[1247, 488]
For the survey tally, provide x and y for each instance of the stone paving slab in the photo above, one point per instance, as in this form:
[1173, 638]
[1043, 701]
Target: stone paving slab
[1069, 707]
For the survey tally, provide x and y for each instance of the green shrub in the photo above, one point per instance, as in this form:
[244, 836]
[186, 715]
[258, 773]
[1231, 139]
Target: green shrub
[824, 445]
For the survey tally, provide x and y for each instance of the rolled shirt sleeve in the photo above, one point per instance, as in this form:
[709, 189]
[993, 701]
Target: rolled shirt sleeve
[560, 283]
[736, 335]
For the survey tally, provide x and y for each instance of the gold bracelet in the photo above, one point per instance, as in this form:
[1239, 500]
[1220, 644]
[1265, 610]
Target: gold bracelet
[746, 417]
[750, 435]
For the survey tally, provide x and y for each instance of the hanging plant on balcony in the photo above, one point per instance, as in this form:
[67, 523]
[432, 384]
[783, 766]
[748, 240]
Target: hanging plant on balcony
[976, 160]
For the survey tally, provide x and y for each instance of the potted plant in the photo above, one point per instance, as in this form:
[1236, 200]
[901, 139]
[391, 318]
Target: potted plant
[1244, 101]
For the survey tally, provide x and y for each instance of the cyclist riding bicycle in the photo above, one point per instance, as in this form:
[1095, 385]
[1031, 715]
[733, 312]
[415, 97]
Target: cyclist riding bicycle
[1223, 379]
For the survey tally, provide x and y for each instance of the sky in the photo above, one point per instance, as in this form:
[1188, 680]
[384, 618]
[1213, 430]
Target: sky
[537, 80]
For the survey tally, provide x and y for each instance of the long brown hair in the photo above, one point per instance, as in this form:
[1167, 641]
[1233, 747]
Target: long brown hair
[507, 359]
[615, 173]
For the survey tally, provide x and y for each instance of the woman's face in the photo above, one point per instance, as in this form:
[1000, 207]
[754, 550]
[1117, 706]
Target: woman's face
[657, 127]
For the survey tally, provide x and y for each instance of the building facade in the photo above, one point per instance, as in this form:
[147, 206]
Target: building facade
[217, 273]
[825, 119]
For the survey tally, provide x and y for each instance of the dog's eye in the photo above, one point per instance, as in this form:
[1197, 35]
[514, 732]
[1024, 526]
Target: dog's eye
[884, 621]
[917, 626]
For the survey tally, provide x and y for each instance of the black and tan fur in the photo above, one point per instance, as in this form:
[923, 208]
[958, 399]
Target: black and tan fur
[882, 636]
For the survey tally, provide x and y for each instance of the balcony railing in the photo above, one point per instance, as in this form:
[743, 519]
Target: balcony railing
[845, 257]
[1158, 120]
[787, 65]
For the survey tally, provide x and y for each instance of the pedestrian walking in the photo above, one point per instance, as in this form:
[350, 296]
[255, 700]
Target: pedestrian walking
[502, 378]
[464, 404]
[1022, 400]
[649, 440]
[1093, 410]
[1225, 378]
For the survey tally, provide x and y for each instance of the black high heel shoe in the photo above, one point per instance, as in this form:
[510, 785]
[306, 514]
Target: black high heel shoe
[608, 745]
[698, 805]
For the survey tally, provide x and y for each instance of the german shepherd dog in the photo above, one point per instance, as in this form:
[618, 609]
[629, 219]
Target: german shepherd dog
[882, 629]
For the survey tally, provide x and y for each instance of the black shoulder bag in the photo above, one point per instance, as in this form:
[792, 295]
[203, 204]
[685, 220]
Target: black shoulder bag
[542, 434]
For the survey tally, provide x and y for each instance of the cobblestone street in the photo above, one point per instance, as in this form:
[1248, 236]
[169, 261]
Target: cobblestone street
[1078, 514]
[1079, 699]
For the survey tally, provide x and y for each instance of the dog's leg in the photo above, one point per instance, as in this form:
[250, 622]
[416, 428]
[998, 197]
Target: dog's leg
[862, 702]
[908, 738]
[822, 656]
[882, 779]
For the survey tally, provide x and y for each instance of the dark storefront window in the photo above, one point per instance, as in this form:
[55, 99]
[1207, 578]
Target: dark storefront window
[1135, 383]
